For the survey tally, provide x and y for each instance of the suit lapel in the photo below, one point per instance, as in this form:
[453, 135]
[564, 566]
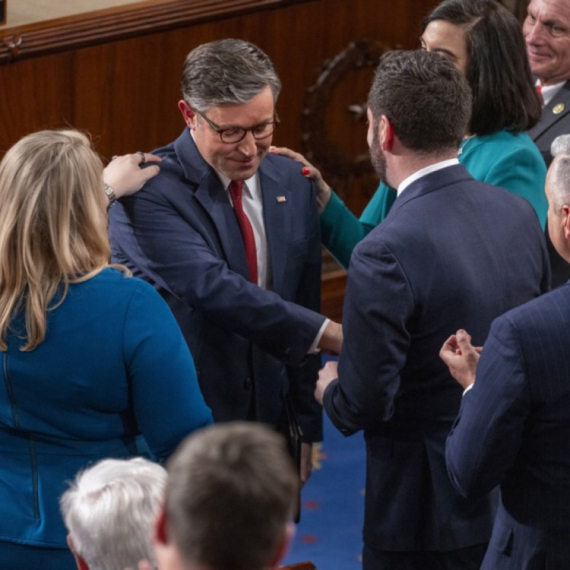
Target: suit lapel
[549, 117]
[209, 192]
[276, 214]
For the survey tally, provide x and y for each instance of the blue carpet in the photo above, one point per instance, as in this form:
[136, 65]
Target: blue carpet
[332, 503]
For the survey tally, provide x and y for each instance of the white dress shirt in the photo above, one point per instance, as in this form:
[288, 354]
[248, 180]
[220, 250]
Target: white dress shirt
[427, 170]
[549, 91]
[253, 207]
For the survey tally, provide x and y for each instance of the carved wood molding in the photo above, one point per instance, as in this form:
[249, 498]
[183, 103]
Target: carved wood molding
[320, 148]
[119, 23]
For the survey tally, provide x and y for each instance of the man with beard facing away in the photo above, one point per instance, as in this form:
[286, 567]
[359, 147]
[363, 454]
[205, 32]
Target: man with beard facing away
[452, 253]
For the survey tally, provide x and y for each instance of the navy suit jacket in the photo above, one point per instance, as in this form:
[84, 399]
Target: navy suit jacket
[180, 233]
[514, 430]
[550, 126]
[452, 253]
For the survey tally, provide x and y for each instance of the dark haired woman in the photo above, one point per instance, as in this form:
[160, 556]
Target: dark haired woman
[484, 40]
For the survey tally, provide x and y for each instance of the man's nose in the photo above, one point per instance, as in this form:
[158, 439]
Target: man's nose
[247, 145]
[533, 33]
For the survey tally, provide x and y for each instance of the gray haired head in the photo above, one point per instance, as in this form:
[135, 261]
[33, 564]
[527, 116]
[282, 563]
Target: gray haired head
[559, 173]
[560, 145]
[225, 72]
[109, 511]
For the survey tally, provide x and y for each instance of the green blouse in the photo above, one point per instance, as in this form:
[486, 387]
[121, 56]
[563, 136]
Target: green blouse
[511, 161]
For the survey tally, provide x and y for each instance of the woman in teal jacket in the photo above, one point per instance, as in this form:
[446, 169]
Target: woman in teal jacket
[93, 362]
[484, 40]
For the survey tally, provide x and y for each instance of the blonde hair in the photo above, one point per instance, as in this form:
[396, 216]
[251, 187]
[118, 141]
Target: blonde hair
[53, 226]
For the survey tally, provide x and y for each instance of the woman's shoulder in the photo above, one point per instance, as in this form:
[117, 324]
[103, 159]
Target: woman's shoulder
[500, 147]
[110, 286]
[503, 143]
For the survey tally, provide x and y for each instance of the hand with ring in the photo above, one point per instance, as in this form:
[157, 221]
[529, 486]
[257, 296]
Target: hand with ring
[125, 175]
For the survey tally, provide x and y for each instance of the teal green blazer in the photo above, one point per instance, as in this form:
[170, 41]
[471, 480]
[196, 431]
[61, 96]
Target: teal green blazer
[511, 161]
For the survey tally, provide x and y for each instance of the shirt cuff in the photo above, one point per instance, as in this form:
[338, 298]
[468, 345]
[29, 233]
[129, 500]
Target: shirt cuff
[314, 347]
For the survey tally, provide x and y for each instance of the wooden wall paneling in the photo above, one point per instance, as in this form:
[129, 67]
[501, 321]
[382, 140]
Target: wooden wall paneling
[124, 89]
[35, 94]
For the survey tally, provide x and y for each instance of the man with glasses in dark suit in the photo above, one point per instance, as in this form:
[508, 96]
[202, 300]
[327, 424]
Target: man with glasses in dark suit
[230, 238]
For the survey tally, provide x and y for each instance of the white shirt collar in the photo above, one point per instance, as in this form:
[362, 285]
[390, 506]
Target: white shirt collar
[427, 170]
[549, 91]
[249, 185]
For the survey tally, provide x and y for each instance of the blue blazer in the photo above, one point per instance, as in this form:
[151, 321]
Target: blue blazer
[514, 430]
[180, 233]
[452, 253]
[113, 365]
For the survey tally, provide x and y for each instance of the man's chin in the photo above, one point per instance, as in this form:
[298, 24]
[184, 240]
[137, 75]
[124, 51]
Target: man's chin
[242, 171]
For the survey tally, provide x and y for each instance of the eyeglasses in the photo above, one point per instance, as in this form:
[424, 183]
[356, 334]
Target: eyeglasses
[236, 134]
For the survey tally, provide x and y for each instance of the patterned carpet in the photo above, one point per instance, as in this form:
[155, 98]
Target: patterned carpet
[329, 534]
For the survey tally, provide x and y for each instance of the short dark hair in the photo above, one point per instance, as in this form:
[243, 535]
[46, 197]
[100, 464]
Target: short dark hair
[426, 99]
[498, 71]
[230, 494]
[227, 71]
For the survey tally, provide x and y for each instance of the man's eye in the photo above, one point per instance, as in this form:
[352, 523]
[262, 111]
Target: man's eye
[260, 129]
[232, 132]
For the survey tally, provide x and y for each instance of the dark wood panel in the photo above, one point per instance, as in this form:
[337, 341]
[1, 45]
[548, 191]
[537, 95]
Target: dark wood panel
[124, 88]
[100, 26]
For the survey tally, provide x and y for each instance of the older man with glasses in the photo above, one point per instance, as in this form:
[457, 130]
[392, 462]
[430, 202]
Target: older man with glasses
[230, 237]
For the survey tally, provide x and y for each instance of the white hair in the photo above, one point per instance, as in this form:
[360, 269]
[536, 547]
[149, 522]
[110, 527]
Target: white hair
[109, 511]
[560, 145]
[560, 172]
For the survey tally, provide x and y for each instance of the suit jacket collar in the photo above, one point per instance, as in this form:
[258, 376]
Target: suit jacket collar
[430, 183]
[210, 193]
[548, 117]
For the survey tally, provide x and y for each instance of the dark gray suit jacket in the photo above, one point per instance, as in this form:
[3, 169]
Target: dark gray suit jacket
[550, 126]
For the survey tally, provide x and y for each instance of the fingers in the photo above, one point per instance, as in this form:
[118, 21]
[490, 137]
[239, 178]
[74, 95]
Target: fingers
[284, 151]
[464, 341]
[148, 157]
[125, 175]
[149, 172]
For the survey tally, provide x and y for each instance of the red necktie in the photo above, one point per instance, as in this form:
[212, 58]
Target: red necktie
[235, 189]
[539, 91]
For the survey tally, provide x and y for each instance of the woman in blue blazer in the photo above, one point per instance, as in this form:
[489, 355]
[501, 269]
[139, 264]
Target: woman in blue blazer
[93, 362]
[484, 40]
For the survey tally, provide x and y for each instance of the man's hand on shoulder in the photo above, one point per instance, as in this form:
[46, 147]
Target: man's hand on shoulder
[461, 357]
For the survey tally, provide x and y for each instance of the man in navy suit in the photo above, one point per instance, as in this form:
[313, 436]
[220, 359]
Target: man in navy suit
[230, 238]
[513, 428]
[452, 250]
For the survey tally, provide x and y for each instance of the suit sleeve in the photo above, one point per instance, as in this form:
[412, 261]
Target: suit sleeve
[341, 230]
[166, 397]
[302, 380]
[179, 255]
[376, 340]
[487, 434]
